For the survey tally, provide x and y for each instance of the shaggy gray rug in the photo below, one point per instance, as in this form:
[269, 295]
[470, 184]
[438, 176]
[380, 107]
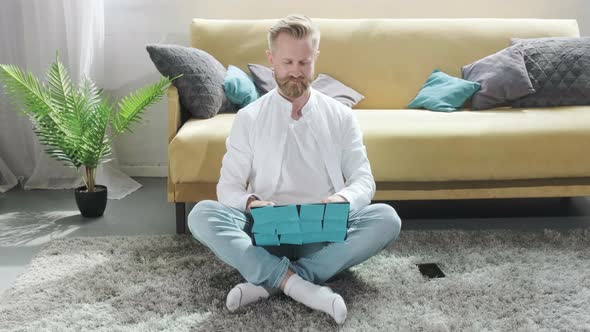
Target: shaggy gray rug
[496, 281]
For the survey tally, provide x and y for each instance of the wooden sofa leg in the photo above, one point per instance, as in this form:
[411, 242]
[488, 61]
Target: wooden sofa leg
[180, 218]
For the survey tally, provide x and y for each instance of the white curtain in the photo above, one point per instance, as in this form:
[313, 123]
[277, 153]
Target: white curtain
[31, 31]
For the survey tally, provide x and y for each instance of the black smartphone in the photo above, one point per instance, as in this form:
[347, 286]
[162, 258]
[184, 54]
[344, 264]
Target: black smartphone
[430, 270]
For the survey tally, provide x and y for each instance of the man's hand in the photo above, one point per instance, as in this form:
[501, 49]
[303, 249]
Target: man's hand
[334, 199]
[253, 202]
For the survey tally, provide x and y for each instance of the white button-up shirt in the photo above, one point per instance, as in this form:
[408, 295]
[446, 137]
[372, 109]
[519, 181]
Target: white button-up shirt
[273, 157]
[304, 177]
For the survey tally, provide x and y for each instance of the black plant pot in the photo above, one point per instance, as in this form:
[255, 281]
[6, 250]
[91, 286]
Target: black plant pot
[91, 204]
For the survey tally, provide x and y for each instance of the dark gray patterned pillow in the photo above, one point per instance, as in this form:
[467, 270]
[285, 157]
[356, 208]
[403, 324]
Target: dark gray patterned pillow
[559, 69]
[200, 88]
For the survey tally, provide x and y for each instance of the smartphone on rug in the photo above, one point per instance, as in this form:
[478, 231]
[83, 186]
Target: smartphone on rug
[430, 270]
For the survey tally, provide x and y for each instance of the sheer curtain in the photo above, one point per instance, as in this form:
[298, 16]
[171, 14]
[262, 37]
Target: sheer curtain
[30, 33]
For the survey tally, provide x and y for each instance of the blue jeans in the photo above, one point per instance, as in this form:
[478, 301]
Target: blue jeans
[228, 233]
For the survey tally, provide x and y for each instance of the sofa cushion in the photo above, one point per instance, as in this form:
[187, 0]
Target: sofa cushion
[195, 153]
[406, 145]
[559, 69]
[444, 93]
[201, 85]
[238, 87]
[503, 78]
[326, 84]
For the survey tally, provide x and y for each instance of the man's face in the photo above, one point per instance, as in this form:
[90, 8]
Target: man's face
[294, 63]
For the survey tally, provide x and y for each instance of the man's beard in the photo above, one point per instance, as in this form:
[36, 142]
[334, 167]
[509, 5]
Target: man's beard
[293, 87]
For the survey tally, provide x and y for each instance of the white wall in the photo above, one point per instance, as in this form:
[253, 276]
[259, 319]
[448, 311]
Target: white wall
[131, 24]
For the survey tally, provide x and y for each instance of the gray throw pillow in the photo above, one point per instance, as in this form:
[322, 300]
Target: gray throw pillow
[330, 86]
[263, 78]
[503, 77]
[200, 88]
[559, 69]
[265, 81]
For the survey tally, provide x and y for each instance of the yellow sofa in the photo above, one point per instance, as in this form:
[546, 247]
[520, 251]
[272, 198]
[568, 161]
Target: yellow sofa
[414, 154]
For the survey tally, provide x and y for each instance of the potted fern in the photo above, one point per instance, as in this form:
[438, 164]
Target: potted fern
[77, 124]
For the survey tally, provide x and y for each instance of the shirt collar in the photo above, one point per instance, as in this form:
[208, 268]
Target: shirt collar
[285, 104]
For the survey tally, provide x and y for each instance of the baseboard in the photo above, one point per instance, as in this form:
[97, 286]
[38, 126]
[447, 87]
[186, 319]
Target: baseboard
[158, 171]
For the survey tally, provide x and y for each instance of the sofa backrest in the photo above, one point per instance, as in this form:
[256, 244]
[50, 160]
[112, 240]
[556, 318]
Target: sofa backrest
[387, 60]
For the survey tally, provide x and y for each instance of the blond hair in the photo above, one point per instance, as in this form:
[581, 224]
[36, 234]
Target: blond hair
[298, 26]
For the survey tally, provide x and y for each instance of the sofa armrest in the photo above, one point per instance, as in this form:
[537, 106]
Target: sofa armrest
[174, 118]
[174, 122]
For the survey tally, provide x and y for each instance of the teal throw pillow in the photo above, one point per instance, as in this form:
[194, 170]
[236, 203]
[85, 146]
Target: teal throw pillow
[444, 93]
[239, 87]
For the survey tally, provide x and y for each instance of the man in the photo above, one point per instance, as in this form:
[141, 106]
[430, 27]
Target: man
[293, 145]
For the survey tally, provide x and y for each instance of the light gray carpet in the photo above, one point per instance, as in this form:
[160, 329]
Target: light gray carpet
[497, 281]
